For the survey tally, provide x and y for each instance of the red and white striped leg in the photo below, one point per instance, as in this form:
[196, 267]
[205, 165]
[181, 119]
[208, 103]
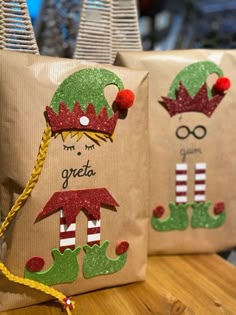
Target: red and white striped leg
[67, 233]
[181, 183]
[93, 232]
[200, 182]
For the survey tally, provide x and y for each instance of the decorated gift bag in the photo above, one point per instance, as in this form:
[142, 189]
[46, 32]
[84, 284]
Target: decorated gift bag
[192, 172]
[73, 175]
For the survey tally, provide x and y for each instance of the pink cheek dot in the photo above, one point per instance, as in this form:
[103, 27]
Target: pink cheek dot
[158, 212]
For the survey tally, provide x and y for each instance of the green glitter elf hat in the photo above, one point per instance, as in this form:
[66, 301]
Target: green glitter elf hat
[79, 103]
[189, 91]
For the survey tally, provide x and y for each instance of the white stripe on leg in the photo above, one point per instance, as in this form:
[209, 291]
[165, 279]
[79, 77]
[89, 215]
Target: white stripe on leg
[181, 179]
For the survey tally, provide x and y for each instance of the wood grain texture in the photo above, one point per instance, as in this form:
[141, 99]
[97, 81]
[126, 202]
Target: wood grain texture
[175, 285]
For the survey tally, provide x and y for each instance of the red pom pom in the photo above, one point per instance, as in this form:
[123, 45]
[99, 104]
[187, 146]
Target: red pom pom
[68, 303]
[35, 264]
[219, 207]
[158, 212]
[122, 247]
[124, 99]
[222, 84]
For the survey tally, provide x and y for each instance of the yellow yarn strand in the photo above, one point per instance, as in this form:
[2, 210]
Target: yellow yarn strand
[32, 180]
[38, 286]
[16, 207]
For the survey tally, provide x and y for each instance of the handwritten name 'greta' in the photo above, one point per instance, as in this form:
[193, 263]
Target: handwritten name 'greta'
[85, 170]
[185, 152]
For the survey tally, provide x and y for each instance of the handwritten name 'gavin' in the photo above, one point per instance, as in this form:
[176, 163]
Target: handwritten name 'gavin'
[185, 152]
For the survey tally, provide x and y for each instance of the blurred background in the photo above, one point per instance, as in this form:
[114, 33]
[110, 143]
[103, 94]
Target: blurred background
[188, 24]
[164, 24]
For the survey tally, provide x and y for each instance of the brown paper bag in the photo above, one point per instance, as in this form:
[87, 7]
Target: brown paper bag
[192, 117]
[78, 221]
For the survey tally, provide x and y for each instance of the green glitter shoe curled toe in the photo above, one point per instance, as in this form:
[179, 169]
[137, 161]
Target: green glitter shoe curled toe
[202, 219]
[177, 220]
[65, 268]
[96, 263]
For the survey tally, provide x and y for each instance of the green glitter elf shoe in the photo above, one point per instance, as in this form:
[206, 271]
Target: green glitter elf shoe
[65, 268]
[202, 219]
[177, 220]
[96, 262]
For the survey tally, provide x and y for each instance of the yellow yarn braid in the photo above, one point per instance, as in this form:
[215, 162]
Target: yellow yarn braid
[32, 181]
[16, 207]
[38, 286]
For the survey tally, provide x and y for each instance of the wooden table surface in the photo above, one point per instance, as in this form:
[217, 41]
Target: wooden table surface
[186, 285]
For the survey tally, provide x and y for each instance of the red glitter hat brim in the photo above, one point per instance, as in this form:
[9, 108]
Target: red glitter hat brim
[70, 120]
[198, 103]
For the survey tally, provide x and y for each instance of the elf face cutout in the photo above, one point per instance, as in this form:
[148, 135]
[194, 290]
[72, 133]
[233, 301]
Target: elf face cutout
[190, 100]
[81, 119]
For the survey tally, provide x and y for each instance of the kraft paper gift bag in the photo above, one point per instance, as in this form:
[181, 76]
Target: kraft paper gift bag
[73, 178]
[192, 117]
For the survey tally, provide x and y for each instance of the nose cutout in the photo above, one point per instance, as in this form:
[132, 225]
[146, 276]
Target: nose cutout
[78, 153]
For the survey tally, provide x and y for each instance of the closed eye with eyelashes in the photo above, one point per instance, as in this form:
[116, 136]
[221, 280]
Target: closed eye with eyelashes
[68, 148]
[89, 147]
